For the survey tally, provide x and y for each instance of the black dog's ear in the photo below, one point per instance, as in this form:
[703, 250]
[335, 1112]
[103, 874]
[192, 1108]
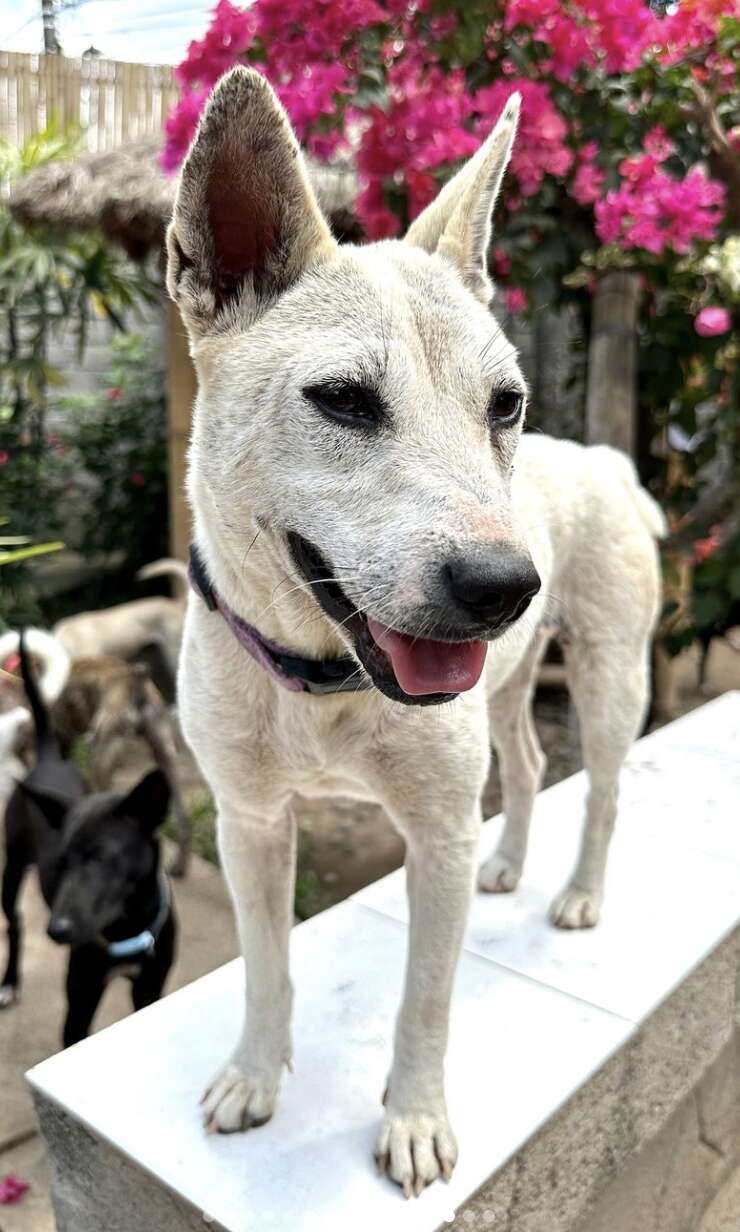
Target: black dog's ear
[147, 802]
[53, 805]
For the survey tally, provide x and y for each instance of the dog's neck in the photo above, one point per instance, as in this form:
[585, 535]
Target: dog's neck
[142, 909]
[266, 591]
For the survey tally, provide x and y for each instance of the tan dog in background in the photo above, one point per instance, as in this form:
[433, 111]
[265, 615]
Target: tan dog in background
[360, 489]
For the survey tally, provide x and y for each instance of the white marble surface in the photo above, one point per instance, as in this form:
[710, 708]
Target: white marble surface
[137, 1084]
[536, 1011]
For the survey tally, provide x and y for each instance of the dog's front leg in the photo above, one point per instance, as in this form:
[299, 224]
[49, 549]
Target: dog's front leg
[258, 859]
[416, 1143]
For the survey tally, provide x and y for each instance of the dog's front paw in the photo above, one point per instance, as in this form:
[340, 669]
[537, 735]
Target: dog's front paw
[416, 1149]
[237, 1100]
[8, 995]
[499, 875]
[576, 908]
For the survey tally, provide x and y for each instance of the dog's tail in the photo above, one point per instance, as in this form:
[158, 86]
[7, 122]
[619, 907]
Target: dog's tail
[44, 736]
[650, 512]
[167, 567]
[48, 650]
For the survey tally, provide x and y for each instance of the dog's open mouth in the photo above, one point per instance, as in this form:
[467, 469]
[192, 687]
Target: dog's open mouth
[416, 670]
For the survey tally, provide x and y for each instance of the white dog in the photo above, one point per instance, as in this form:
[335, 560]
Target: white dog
[368, 526]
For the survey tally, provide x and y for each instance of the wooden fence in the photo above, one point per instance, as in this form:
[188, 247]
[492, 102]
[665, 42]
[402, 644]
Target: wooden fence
[112, 102]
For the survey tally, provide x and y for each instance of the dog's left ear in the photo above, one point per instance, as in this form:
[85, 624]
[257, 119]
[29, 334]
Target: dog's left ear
[54, 805]
[457, 224]
[147, 802]
[246, 222]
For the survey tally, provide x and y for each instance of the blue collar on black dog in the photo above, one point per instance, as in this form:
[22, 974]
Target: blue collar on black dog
[145, 941]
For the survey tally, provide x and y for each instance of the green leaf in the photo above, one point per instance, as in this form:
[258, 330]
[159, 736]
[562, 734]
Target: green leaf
[38, 549]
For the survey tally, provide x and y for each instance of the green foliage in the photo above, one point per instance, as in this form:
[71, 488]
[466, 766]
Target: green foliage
[113, 449]
[49, 283]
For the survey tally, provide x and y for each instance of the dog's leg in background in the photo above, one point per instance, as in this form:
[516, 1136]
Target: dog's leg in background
[258, 859]
[13, 874]
[86, 976]
[609, 683]
[521, 767]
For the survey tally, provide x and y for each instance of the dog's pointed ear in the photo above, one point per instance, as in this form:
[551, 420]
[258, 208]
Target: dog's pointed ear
[147, 802]
[457, 224]
[246, 222]
[53, 805]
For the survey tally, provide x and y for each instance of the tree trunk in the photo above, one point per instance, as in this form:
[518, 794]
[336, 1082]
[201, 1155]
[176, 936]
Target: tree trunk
[612, 363]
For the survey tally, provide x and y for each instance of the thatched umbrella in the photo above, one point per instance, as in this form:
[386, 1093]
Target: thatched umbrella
[125, 194]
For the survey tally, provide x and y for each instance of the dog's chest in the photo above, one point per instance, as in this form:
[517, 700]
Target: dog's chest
[324, 753]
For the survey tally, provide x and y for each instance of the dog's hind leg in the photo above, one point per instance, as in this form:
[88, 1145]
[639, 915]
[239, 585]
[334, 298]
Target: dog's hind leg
[609, 682]
[13, 874]
[521, 764]
[258, 859]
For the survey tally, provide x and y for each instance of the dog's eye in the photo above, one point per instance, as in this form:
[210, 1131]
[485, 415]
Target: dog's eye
[505, 406]
[355, 406]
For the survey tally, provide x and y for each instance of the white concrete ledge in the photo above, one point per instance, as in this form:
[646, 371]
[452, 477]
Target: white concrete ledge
[547, 1029]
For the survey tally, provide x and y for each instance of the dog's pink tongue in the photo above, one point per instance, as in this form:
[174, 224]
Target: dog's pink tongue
[423, 666]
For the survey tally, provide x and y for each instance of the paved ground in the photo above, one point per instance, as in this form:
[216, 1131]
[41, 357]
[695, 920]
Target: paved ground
[30, 1030]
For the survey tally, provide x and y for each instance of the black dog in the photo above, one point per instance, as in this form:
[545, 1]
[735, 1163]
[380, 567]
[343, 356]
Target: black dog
[99, 868]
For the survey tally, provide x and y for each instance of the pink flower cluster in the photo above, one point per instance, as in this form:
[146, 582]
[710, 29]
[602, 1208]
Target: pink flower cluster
[614, 33]
[321, 54]
[654, 211]
[587, 32]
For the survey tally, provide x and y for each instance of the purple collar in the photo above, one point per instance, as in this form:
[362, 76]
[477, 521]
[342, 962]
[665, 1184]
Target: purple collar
[292, 672]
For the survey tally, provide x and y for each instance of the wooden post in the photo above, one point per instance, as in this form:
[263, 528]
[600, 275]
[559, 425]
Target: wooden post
[612, 363]
[182, 386]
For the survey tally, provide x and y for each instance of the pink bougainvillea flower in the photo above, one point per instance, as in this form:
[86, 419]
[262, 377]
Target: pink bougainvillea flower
[12, 1189]
[704, 548]
[501, 263]
[651, 210]
[114, 394]
[712, 321]
[657, 144]
[515, 300]
[4, 457]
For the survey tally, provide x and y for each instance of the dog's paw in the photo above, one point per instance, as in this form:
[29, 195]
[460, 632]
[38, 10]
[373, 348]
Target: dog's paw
[575, 908]
[9, 994]
[415, 1150]
[236, 1101]
[499, 875]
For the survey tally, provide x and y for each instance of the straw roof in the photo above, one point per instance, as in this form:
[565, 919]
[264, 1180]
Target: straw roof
[126, 195]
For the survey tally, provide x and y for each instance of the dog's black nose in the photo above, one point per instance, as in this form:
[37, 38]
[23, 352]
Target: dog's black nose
[60, 929]
[490, 583]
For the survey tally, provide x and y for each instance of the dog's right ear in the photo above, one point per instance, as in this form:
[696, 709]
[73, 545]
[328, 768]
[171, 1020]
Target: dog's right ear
[246, 223]
[147, 802]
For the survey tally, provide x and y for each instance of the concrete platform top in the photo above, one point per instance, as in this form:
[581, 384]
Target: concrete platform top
[536, 1012]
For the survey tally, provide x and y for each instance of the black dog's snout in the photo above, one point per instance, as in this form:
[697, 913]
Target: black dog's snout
[60, 929]
[491, 584]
